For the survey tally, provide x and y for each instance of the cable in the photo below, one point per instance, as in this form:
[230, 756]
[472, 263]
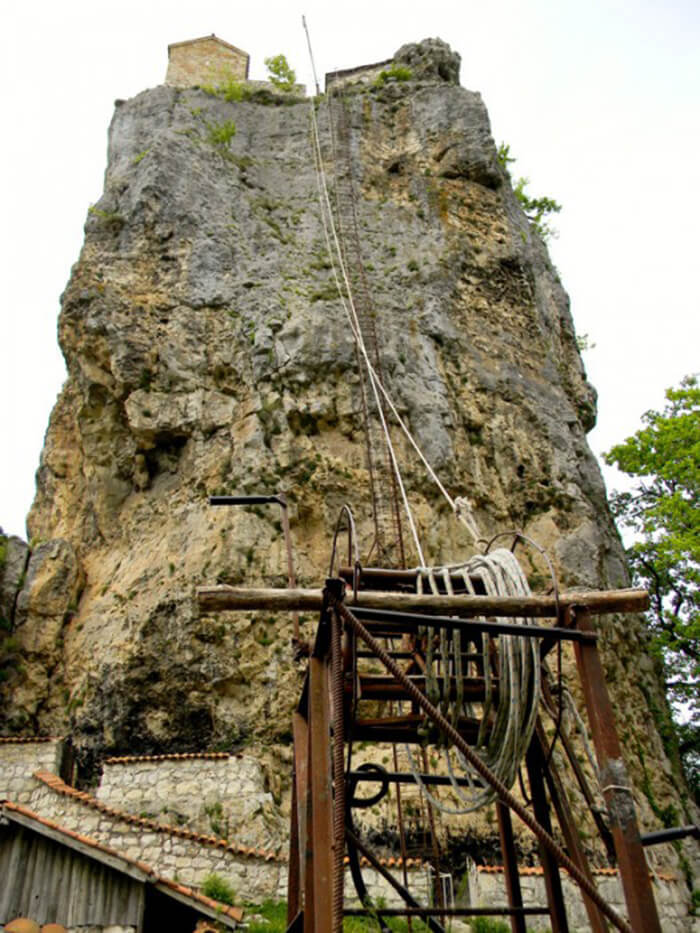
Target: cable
[348, 306]
[502, 744]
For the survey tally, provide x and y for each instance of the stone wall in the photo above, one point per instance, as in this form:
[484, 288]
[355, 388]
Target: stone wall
[209, 793]
[202, 61]
[186, 857]
[486, 886]
[168, 852]
[19, 759]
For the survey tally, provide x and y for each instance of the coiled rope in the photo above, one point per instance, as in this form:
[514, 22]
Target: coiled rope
[507, 716]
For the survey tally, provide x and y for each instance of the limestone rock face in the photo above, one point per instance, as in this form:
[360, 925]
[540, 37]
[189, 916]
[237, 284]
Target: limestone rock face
[208, 352]
[14, 554]
[430, 60]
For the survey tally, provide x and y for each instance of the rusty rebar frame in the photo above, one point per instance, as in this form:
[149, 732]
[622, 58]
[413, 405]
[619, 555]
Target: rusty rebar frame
[315, 883]
[636, 884]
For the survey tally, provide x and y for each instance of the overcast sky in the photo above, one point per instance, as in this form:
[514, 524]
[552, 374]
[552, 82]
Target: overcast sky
[599, 101]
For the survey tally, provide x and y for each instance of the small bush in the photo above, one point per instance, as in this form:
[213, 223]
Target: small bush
[487, 925]
[219, 889]
[221, 134]
[229, 89]
[395, 73]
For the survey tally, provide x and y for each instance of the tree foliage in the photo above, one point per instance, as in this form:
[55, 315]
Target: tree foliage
[280, 73]
[663, 512]
[537, 210]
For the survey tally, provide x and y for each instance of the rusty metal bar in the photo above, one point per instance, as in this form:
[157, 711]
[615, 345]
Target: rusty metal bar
[447, 911]
[615, 786]
[294, 872]
[338, 697]
[475, 761]
[560, 802]
[318, 900]
[300, 732]
[552, 878]
[402, 622]
[232, 598]
[668, 835]
[583, 784]
[510, 868]
[407, 777]
[377, 687]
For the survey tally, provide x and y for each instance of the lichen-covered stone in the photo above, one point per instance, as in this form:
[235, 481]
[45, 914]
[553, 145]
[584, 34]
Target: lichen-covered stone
[431, 59]
[14, 554]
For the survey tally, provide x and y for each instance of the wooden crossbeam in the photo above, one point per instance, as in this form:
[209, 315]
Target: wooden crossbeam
[241, 599]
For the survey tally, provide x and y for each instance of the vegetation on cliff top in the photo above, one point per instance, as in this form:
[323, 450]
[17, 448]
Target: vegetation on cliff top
[537, 210]
[663, 512]
[280, 73]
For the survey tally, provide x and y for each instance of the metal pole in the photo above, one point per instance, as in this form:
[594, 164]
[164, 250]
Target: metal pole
[552, 878]
[617, 792]
[560, 802]
[510, 867]
[338, 695]
[318, 900]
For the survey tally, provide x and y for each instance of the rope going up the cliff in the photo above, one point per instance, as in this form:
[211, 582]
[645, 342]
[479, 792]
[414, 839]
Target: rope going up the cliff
[336, 256]
[460, 506]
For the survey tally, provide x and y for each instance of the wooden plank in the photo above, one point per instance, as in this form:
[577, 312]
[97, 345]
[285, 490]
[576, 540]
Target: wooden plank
[231, 598]
[93, 852]
[634, 871]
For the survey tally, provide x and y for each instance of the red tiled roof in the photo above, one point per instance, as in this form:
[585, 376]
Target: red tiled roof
[134, 759]
[60, 787]
[391, 862]
[537, 870]
[234, 912]
[28, 739]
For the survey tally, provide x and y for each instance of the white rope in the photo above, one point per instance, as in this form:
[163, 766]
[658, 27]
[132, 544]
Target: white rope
[350, 310]
[503, 746]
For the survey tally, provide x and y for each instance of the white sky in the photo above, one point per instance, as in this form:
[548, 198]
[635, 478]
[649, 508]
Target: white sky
[599, 101]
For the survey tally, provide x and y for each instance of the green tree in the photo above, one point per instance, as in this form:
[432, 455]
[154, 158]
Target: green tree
[537, 210]
[663, 512]
[280, 73]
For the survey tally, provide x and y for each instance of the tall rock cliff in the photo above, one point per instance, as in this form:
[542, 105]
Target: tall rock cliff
[208, 352]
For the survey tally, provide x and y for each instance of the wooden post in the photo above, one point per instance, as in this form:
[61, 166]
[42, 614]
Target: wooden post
[232, 598]
[510, 866]
[634, 871]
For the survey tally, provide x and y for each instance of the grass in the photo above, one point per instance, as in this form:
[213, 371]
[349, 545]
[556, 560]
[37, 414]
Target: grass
[219, 889]
[273, 916]
[221, 134]
[486, 925]
[396, 73]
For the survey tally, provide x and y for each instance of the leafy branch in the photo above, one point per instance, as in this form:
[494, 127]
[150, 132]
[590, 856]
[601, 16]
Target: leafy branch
[663, 513]
[537, 210]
